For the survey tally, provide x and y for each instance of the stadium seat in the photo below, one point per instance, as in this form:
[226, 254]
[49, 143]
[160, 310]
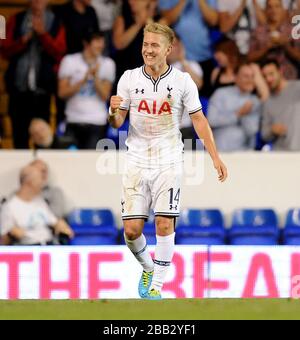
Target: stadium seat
[254, 227]
[201, 227]
[93, 226]
[291, 232]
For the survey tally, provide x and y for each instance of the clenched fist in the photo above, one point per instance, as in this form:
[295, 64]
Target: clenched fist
[115, 102]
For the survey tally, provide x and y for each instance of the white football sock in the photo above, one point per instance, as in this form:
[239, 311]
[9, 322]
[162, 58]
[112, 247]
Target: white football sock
[163, 256]
[140, 251]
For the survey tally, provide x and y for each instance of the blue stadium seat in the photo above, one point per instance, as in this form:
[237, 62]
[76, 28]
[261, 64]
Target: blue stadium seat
[201, 227]
[291, 232]
[254, 227]
[93, 226]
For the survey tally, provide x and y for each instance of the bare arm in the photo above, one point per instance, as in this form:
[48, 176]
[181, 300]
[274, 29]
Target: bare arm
[173, 14]
[211, 16]
[67, 90]
[259, 13]
[62, 227]
[122, 38]
[204, 132]
[16, 233]
[260, 84]
[228, 21]
[293, 52]
[103, 88]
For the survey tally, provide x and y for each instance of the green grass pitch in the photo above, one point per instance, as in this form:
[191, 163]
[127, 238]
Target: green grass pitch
[180, 309]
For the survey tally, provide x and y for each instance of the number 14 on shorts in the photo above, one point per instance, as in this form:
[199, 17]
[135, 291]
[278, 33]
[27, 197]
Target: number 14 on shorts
[174, 200]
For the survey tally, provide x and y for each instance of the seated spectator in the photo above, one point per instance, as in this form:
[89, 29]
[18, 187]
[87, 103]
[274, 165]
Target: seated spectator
[85, 82]
[281, 118]
[42, 136]
[228, 58]
[53, 195]
[26, 219]
[234, 112]
[274, 40]
[34, 46]
[177, 58]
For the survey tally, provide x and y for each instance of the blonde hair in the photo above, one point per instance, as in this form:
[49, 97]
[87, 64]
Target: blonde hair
[164, 30]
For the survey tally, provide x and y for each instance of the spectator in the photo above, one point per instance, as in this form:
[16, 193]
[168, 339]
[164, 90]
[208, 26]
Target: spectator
[238, 19]
[107, 11]
[177, 59]
[274, 40]
[234, 112]
[78, 18]
[53, 195]
[85, 82]
[34, 46]
[281, 119]
[128, 32]
[26, 219]
[291, 7]
[192, 20]
[228, 58]
[42, 136]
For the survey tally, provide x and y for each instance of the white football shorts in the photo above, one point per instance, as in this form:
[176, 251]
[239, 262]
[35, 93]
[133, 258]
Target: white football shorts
[144, 189]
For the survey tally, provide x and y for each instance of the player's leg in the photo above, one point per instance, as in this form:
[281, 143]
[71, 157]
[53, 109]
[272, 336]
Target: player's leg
[164, 250]
[135, 209]
[136, 242]
[166, 189]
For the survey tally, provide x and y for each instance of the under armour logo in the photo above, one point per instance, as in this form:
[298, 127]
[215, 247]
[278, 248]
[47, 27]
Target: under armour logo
[122, 203]
[169, 89]
[173, 207]
[138, 91]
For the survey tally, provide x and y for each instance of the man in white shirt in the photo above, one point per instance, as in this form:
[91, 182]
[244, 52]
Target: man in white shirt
[85, 82]
[156, 95]
[26, 219]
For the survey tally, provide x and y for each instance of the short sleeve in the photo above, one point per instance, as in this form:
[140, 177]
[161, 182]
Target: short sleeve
[224, 6]
[108, 70]
[191, 99]
[7, 221]
[65, 68]
[196, 68]
[123, 90]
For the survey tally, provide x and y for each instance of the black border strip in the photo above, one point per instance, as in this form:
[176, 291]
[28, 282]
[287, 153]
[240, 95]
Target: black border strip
[134, 217]
[192, 112]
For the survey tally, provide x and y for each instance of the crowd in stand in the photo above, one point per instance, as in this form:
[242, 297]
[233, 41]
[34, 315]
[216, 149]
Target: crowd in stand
[242, 54]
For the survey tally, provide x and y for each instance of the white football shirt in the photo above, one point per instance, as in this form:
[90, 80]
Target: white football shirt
[86, 106]
[155, 111]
